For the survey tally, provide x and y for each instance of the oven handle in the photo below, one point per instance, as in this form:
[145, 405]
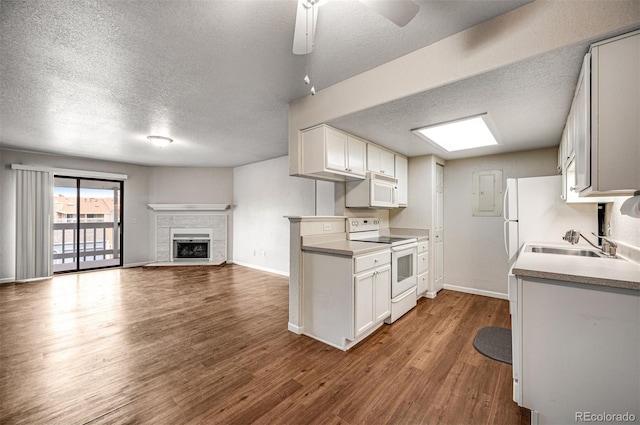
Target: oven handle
[405, 247]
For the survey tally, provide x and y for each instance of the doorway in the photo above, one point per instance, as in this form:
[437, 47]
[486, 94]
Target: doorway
[87, 230]
[439, 229]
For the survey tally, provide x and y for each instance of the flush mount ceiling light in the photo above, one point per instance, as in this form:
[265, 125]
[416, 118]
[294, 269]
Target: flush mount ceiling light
[466, 133]
[159, 141]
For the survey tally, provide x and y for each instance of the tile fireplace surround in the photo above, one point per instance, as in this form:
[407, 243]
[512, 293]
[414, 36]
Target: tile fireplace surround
[188, 217]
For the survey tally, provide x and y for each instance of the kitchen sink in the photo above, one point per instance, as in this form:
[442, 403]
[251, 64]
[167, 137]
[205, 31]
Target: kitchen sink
[566, 251]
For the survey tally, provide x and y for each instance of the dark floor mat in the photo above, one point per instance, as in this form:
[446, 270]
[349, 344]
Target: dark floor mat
[494, 343]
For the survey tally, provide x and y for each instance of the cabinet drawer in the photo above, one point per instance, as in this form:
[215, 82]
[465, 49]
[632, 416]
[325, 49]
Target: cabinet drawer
[365, 262]
[423, 247]
[423, 262]
[423, 282]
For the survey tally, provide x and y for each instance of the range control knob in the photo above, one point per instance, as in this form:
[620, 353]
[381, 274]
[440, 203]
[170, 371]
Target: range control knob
[354, 223]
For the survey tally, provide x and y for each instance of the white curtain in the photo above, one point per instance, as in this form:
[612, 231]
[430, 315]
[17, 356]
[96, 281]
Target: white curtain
[34, 230]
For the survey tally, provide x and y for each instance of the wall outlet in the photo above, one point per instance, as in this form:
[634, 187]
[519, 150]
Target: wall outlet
[134, 220]
[264, 253]
[326, 227]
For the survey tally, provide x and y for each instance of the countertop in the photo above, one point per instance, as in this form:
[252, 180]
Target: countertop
[344, 247]
[609, 272]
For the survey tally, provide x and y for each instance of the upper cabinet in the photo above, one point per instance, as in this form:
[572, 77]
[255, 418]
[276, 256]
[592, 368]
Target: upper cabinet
[380, 160]
[334, 155]
[330, 154]
[607, 143]
[402, 175]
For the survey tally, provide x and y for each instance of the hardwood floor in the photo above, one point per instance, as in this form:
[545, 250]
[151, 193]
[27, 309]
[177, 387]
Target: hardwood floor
[210, 345]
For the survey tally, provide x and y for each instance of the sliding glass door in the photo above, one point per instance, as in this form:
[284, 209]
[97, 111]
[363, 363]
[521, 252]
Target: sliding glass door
[87, 233]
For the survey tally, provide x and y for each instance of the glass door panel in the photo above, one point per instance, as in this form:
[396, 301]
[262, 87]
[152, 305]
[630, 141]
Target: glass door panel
[65, 224]
[87, 231]
[99, 237]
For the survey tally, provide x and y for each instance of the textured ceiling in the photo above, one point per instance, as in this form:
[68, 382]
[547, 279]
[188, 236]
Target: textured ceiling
[527, 103]
[94, 78]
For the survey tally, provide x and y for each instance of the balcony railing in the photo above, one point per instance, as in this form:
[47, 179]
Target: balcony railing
[97, 241]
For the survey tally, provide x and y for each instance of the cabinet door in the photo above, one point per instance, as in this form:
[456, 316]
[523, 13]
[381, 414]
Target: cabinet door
[387, 163]
[356, 151]
[380, 160]
[582, 130]
[363, 302]
[373, 158]
[382, 282]
[402, 174]
[336, 150]
[615, 111]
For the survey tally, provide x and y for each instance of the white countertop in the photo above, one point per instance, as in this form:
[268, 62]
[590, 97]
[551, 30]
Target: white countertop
[611, 272]
[345, 247]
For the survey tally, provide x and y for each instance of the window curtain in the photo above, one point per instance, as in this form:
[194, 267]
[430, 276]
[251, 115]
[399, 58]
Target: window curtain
[34, 230]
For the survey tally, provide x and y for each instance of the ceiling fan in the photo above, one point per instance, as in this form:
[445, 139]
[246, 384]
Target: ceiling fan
[400, 12]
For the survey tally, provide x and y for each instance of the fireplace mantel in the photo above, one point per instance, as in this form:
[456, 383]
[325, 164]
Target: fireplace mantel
[189, 207]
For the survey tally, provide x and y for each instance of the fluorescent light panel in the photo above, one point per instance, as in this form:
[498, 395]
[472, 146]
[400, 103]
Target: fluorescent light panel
[466, 133]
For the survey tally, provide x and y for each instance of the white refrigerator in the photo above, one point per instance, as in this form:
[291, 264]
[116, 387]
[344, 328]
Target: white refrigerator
[535, 212]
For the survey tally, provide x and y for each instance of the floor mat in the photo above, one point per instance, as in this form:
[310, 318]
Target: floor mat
[494, 343]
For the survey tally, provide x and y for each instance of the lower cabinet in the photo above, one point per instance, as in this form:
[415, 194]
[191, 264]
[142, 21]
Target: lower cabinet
[345, 298]
[579, 350]
[372, 292]
[423, 268]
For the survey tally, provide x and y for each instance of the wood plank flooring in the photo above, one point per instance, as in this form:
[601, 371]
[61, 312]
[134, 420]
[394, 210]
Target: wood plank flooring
[209, 345]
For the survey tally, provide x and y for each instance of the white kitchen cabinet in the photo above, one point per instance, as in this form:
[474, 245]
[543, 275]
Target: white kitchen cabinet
[607, 163]
[579, 349]
[345, 298]
[575, 142]
[380, 160]
[402, 175]
[331, 154]
[372, 298]
[423, 268]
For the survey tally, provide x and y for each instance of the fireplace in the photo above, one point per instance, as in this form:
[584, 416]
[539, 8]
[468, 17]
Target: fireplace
[190, 249]
[191, 244]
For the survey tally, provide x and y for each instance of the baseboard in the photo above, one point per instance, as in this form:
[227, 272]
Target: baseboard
[7, 280]
[477, 292]
[295, 329]
[264, 269]
[430, 294]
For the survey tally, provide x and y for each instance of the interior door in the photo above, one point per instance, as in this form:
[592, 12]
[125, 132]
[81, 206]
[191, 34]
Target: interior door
[439, 229]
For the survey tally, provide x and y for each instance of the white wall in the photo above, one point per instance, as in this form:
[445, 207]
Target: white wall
[474, 254]
[623, 227]
[264, 194]
[191, 185]
[136, 192]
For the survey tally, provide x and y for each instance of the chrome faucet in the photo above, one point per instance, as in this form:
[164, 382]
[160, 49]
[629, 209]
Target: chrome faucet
[608, 247]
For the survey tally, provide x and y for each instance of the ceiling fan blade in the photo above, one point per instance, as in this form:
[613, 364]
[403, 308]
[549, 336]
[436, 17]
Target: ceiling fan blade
[400, 12]
[305, 28]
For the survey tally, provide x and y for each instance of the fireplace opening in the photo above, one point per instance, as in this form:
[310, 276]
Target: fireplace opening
[191, 244]
[191, 249]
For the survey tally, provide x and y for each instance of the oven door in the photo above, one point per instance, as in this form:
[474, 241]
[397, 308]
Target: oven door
[404, 261]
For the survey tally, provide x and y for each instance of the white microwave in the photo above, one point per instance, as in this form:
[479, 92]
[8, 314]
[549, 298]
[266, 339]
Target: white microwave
[376, 191]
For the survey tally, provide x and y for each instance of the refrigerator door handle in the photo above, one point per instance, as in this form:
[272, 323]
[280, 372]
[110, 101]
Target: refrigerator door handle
[505, 211]
[506, 238]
